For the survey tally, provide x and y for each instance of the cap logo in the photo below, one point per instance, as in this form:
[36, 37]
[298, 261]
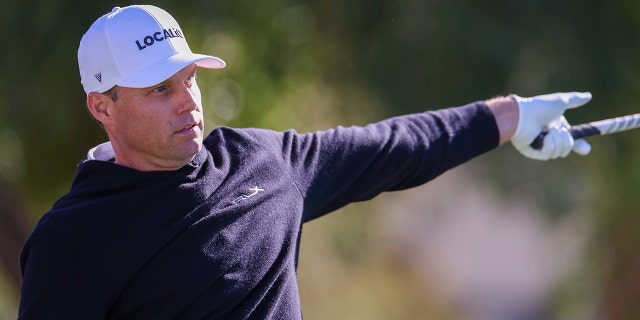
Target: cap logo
[159, 36]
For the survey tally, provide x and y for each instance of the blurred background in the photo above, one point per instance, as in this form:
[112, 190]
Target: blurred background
[501, 237]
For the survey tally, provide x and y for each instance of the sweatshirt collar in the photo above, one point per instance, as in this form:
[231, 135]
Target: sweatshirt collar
[102, 152]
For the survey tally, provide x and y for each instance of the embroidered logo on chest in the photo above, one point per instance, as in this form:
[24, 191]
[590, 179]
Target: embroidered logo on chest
[252, 192]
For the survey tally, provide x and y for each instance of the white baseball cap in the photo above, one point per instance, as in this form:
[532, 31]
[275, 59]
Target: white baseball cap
[135, 46]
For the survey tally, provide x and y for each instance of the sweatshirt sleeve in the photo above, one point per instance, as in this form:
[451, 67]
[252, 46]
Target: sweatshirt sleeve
[336, 167]
[54, 281]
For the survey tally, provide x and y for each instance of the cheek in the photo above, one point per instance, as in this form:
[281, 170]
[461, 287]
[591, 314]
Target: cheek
[141, 125]
[195, 93]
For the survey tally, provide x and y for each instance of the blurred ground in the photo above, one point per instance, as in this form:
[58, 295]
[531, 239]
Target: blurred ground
[452, 249]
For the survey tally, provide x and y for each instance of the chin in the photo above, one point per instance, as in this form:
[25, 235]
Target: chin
[195, 147]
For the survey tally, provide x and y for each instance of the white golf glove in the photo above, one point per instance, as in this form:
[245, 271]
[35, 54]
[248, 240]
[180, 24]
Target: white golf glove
[545, 113]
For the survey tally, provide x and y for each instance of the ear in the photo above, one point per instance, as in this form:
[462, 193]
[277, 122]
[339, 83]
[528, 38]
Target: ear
[100, 106]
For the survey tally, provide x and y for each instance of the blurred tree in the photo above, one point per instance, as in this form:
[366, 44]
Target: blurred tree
[14, 230]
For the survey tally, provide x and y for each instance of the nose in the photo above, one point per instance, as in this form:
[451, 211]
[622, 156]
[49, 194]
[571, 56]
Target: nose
[188, 98]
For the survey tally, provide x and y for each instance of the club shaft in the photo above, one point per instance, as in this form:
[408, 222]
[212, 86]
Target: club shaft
[601, 127]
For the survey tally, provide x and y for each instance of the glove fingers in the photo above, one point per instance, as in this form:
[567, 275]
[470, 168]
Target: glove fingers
[581, 147]
[576, 99]
[567, 142]
[550, 144]
[563, 123]
[560, 122]
[558, 143]
[530, 152]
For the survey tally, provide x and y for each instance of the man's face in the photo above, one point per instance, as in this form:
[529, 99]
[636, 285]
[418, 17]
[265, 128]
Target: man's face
[160, 127]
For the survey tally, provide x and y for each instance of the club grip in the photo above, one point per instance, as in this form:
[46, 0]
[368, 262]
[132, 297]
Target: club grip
[577, 132]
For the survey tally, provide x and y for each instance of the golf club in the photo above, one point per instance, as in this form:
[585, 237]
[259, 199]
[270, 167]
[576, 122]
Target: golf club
[601, 127]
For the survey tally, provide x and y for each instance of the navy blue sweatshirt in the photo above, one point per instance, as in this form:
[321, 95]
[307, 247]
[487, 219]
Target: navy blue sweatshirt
[219, 238]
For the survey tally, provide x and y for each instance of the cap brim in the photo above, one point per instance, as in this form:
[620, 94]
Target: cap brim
[164, 69]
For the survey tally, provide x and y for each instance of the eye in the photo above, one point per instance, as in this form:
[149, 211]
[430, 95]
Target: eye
[160, 89]
[191, 79]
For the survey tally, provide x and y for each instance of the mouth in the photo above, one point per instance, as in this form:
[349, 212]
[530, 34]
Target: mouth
[188, 128]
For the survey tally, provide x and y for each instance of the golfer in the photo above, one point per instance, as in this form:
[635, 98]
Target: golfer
[167, 221]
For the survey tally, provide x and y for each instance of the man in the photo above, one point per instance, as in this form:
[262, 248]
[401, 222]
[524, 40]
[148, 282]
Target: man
[162, 223]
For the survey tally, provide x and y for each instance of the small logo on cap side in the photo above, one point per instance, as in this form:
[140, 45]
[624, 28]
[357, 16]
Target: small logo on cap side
[98, 77]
